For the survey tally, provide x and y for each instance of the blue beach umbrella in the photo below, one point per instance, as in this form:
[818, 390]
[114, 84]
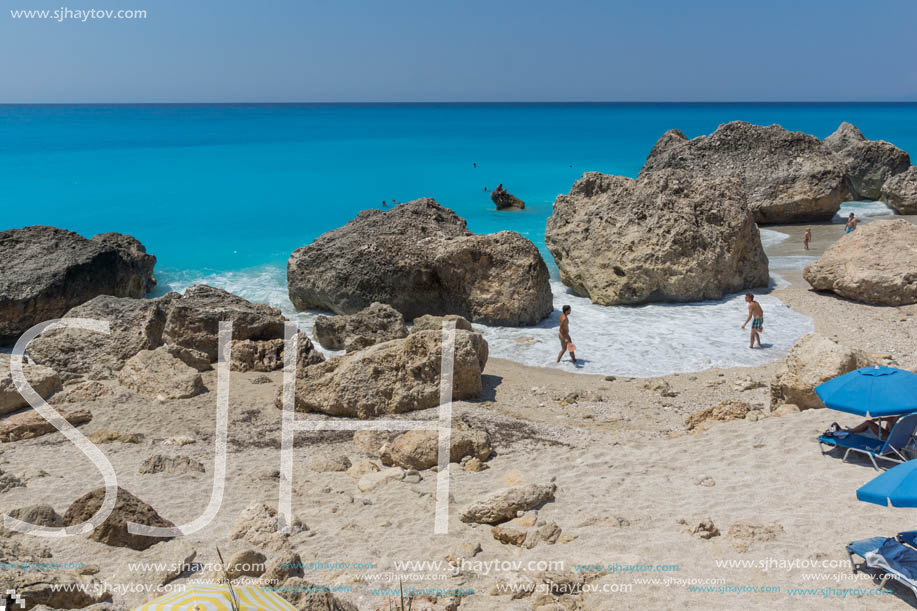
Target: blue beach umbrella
[896, 487]
[872, 392]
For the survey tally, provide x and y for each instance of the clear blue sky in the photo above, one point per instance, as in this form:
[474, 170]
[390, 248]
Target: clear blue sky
[462, 50]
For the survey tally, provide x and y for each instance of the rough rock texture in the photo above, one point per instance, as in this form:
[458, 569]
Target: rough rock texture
[156, 373]
[40, 515]
[193, 320]
[876, 264]
[267, 355]
[503, 504]
[159, 463]
[869, 162]
[247, 563]
[309, 597]
[900, 192]
[52, 589]
[113, 531]
[282, 567]
[43, 380]
[45, 271]
[429, 322]
[421, 259]
[668, 236]
[788, 176]
[372, 325]
[371, 441]
[420, 449]
[727, 410]
[506, 201]
[393, 377]
[134, 324]
[260, 525]
[8, 481]
[29, 424]
[190, 357]
[814, 359]
[328, 463]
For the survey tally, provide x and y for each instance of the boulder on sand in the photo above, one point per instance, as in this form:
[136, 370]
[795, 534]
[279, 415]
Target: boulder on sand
[45, 271]
[267, 355]
[813, 360]
[420, 449]
[869, 162]
[29, 424]
[876, 264]
[156, 373]
[193, 319]
[393, 377]
[788, 176]
[667, 236]
[504, 504]
[134, 325]
[504, 200]
[900, 192]
[113, 531]
[43, 380]
[372, 325]
[428, 322]
[421, 259]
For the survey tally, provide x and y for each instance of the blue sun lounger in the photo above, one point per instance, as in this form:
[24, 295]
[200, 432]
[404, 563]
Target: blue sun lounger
[888, 556]
[892, 449]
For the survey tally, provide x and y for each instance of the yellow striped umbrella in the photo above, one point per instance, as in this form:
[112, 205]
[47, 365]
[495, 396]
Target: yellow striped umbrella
[218, 597]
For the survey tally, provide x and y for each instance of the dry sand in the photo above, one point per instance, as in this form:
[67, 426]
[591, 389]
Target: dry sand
[631, 483]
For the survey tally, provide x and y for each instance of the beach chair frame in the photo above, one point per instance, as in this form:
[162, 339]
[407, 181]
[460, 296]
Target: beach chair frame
[892, 449]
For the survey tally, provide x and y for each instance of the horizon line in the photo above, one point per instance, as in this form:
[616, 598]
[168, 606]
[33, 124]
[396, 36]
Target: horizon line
[473, 102]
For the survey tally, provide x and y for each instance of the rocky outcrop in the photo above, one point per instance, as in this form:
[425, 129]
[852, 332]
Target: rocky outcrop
[420, 449]
[900, 192]
[429, 322]
[667, 236]
[869, 162]
[267, 355]
[421, 259]
[787, 176]
[725, 411]
[813, 360]
[394, 377]
[261, 525]
[134, 325]
[113, 531]
[40, 515]
[372, 325]
[504, 200]
[160, 463]
[43, 380]
[51, 589]
[29, 424]
[504, 504]
[45, 271]
[156, 373]
[193, 320]
[876, 264]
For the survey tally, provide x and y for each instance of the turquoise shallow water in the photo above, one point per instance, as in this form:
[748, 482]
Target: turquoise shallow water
[224, 193]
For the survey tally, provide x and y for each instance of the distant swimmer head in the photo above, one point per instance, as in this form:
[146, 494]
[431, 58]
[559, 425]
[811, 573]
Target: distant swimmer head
[749, 297]
[566, 309]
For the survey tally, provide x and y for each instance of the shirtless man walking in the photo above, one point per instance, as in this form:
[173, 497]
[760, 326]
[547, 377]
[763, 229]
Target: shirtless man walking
[756, 316]
[565, 334]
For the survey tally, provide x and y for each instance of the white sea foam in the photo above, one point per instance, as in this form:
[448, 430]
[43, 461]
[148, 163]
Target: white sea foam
[866, 208]
[649, 340]
[769, 237]
[790, 262]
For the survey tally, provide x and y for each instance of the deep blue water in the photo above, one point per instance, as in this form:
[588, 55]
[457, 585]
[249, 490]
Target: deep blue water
[228, 187]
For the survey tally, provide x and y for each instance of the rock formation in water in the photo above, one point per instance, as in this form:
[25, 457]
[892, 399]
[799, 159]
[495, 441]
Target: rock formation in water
[900, 191]
[668, 236]
[45, 271]
[870, 163]
[876, 264]
[421, 259]
[505, 200]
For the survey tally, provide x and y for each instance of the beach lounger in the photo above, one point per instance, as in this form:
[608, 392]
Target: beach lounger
[892, 449]
[888, 556]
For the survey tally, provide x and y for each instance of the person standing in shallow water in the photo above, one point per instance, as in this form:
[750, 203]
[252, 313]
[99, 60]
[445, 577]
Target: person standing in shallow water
[756, 316]
[806, 238]
[565, 334]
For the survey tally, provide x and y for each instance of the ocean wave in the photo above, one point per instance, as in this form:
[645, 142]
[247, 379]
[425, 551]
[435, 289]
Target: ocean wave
[865, 208]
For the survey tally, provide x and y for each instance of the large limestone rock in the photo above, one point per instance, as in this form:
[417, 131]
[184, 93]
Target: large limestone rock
[668, 236]
[113, 531]
[504, 504]
[393, 377]
[193, 320]
[134, 324]
[420, 449]
[29, 424]
[788, 176]
[876, 264]
[43, 380]
[267, 355]
[900, 191]
[869, 162]
[372, 325]
[45, 271]
[421, 259]
[813, 360]
[428, 322]
[156, 373]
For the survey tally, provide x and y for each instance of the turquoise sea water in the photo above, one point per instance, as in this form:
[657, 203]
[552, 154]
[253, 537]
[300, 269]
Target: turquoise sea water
[224, 193]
